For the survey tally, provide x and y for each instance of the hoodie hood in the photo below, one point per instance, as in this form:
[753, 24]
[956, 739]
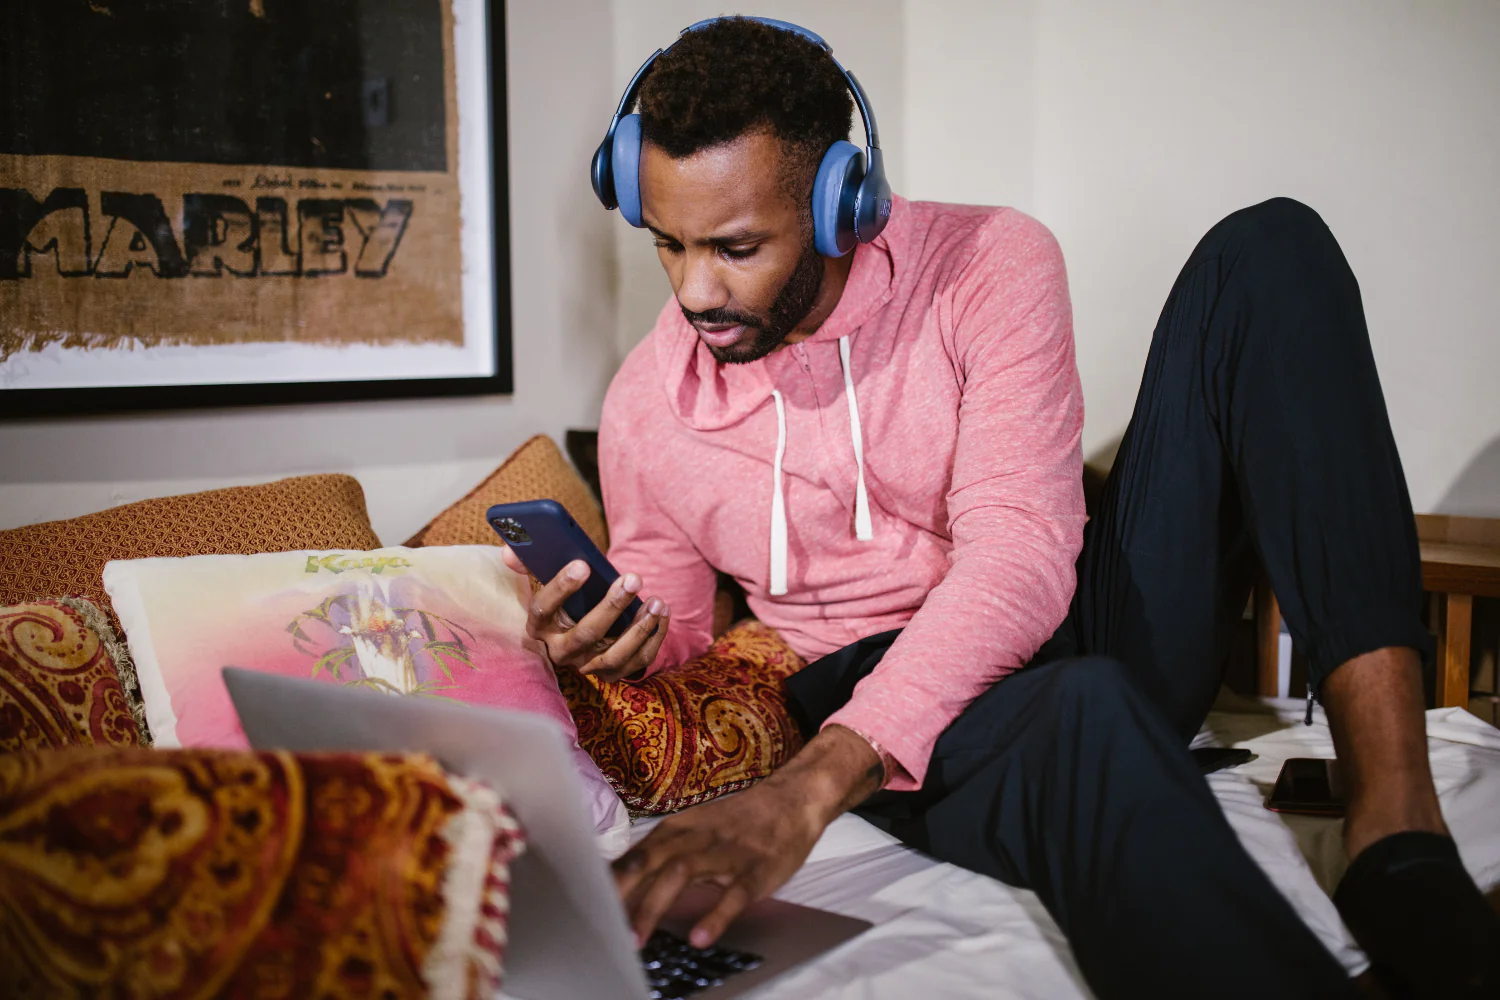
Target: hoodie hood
[706, 395]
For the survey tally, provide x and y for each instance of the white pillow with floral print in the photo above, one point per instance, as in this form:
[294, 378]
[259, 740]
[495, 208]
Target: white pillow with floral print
[439, 622]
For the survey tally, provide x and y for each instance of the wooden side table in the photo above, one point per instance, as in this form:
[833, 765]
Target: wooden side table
[1460, 561]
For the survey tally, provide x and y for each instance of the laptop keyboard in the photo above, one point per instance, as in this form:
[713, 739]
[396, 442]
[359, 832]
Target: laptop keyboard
[675, 969]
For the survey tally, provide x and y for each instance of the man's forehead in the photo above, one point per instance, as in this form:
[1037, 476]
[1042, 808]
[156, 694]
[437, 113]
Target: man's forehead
[719, 189]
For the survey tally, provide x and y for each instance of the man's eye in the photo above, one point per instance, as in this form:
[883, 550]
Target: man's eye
[670, 246]
[734, 254]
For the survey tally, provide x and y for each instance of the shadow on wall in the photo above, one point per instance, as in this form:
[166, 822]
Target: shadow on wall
[1096, 468]
[1476, 491]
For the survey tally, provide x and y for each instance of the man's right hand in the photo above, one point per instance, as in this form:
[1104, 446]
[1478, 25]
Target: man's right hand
[583, 645]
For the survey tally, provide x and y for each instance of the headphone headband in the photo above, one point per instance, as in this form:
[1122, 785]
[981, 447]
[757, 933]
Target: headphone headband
[851, 198]
[866, 115]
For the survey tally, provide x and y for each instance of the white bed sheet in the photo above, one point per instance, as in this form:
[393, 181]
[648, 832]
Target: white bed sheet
[941, 932]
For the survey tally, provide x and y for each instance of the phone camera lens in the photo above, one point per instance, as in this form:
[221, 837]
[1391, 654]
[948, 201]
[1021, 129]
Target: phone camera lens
[511, 530]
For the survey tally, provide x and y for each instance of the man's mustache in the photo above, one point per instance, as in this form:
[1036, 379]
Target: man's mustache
[717, 317]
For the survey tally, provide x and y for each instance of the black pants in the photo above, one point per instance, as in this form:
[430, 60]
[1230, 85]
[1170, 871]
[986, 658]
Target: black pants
[1260, 429]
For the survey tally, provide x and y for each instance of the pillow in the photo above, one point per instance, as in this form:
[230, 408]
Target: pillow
[712, 726]
[59, 684]
[534, 471]
[446, 622]
[192, 873]
[66, 557]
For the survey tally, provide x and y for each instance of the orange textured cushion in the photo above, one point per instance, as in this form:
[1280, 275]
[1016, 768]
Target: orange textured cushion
[59, 685]
[195, 873]
[534, 471]
[68, 557]
[712, 726]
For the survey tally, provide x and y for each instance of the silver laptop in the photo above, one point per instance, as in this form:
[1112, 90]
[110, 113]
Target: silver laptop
[568, 932]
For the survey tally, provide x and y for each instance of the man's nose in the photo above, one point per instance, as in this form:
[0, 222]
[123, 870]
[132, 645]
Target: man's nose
[701, 289]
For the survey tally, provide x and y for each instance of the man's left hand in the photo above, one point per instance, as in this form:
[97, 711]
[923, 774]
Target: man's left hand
[748, 844]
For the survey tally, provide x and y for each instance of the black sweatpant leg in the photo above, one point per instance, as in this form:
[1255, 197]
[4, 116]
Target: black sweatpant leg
[1260, 430]
[1067, 779]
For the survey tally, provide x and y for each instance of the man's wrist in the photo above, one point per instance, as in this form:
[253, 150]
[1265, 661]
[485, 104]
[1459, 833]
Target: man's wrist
[888, 764]
[836, 771]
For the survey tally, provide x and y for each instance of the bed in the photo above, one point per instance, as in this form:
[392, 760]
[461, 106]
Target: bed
[944, 932]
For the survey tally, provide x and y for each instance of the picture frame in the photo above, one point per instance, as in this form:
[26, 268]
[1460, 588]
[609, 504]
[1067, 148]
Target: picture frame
[368, 259]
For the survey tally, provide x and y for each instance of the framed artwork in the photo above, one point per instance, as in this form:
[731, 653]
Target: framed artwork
[227, 202]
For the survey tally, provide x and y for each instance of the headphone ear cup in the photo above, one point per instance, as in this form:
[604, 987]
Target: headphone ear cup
[601, 176]
[625, 166]
[838, 180]
[872, 206]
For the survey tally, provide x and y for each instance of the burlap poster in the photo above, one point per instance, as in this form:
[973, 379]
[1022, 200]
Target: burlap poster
[228, 172]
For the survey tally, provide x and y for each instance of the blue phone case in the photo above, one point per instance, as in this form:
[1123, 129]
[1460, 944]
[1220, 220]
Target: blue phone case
[554, 539]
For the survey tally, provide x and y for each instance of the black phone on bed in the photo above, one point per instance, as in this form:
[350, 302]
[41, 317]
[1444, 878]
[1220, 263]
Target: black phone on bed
[545, 538]
[1211, 759]
[1309, 786]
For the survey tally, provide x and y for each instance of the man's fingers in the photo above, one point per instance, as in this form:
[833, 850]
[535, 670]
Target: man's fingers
[636, 647]
[639, 864]
[546, 602]
[591, 630]
[610, 665]
[647, 655]
[658, 896]
[717, 920]
[628, 870]
[508, 556]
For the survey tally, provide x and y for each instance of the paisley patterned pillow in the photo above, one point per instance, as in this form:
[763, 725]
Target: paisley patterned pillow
[60, 678]
[712, 726]
[188, 873]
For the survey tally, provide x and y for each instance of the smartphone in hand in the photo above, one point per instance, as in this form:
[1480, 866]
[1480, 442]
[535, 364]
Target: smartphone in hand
[545, 538]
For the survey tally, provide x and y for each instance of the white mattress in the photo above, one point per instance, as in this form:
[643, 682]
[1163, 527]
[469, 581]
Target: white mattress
[943, 932]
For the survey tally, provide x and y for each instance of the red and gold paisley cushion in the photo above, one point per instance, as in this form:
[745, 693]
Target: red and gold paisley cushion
[59, 683]
[712, 726]
[194, 873]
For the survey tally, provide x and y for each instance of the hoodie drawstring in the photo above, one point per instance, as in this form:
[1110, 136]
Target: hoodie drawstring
[778, 504]
[864, 528]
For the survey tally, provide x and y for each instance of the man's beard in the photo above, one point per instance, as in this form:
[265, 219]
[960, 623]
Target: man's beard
[791, 306]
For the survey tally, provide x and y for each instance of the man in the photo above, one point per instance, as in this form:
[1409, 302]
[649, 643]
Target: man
[883, 448]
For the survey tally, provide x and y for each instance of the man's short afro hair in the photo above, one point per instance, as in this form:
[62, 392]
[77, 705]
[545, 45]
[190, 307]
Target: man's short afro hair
[739, 76]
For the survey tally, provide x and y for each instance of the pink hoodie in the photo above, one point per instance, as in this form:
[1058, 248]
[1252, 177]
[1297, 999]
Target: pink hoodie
[914, 463]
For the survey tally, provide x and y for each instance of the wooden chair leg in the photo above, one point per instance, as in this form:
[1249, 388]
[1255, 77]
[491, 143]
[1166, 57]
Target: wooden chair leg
[1455, 621]
[1267, 639]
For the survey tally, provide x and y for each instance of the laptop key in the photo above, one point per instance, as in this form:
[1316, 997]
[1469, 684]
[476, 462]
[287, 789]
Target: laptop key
[675, 969]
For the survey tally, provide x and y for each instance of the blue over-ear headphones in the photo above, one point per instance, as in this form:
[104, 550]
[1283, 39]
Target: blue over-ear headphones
[851, 200]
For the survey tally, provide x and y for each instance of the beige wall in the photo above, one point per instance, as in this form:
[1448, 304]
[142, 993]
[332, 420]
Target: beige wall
[1127, 128]
[1154, 120]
